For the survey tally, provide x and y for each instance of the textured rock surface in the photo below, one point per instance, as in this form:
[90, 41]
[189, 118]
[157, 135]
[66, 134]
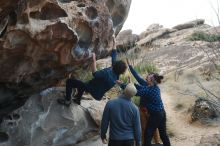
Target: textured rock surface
[42, 41]
[43, 122]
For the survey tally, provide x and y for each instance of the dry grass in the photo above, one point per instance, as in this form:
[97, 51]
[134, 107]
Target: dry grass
[170, 131]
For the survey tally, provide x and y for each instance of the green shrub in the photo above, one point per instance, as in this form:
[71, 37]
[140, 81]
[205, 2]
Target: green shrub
[145, 68]
[124, 78]
[86, 75]
[136, 100]
[202, 36]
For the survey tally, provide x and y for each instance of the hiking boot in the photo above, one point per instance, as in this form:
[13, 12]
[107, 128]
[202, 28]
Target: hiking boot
[77, 101]
[64, 102]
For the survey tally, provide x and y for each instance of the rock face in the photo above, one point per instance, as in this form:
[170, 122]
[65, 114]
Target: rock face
[42, 41]
[43, 122]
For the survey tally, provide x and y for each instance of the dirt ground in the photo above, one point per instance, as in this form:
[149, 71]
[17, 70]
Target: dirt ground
[183, 132]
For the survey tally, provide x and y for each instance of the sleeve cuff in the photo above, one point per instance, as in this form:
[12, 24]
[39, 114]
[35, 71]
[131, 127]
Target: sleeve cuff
[130, 66]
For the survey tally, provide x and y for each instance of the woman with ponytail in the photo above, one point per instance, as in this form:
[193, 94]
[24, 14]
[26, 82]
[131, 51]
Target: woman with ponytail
[149, 92]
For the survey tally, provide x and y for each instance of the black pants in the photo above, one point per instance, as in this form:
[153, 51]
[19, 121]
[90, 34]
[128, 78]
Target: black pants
[156, 120]
[74, 83]
[121, 142]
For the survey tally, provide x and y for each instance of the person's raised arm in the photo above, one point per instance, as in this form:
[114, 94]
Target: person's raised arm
[114, 52]
[95, 73]
[94, 68]
[139, 79]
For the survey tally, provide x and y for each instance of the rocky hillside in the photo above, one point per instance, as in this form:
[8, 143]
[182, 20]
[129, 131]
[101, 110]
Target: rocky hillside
[173, 48]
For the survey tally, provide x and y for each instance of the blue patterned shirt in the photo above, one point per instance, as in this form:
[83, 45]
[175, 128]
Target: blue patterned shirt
[152, 97]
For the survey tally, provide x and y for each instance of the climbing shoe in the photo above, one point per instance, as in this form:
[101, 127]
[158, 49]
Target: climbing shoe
[64, 102]
[77, 101]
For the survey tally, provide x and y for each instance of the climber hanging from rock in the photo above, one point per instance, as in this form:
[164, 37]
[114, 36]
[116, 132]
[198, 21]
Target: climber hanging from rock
[102, 81]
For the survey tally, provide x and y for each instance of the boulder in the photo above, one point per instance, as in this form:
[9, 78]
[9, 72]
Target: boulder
[44, 122]
[151, 29]
[43, 41]
[153, 36]
[204, 111]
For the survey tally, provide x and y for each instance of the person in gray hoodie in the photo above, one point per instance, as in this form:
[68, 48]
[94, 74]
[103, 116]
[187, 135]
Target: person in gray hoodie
[124, 120]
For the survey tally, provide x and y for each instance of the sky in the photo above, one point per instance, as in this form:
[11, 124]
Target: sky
[169, 13]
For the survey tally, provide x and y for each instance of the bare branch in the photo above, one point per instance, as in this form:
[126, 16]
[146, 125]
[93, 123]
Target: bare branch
[216, 11]
[215, 77]
[206, 90]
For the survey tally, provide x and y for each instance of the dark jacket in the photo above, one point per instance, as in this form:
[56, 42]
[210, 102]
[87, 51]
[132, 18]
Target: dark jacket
[124, 120]
[103, 80]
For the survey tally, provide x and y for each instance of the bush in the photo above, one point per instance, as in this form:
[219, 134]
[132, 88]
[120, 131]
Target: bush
[145, 68]
[86, 75]
[136, 100]
[202, 36]
[124, 78]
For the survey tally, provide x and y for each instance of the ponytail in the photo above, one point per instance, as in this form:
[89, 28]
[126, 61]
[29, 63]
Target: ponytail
[158, 78]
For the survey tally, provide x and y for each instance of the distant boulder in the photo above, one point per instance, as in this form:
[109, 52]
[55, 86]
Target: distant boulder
[189, 24]
[151, 29]
[126, 39]
[154, 35]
